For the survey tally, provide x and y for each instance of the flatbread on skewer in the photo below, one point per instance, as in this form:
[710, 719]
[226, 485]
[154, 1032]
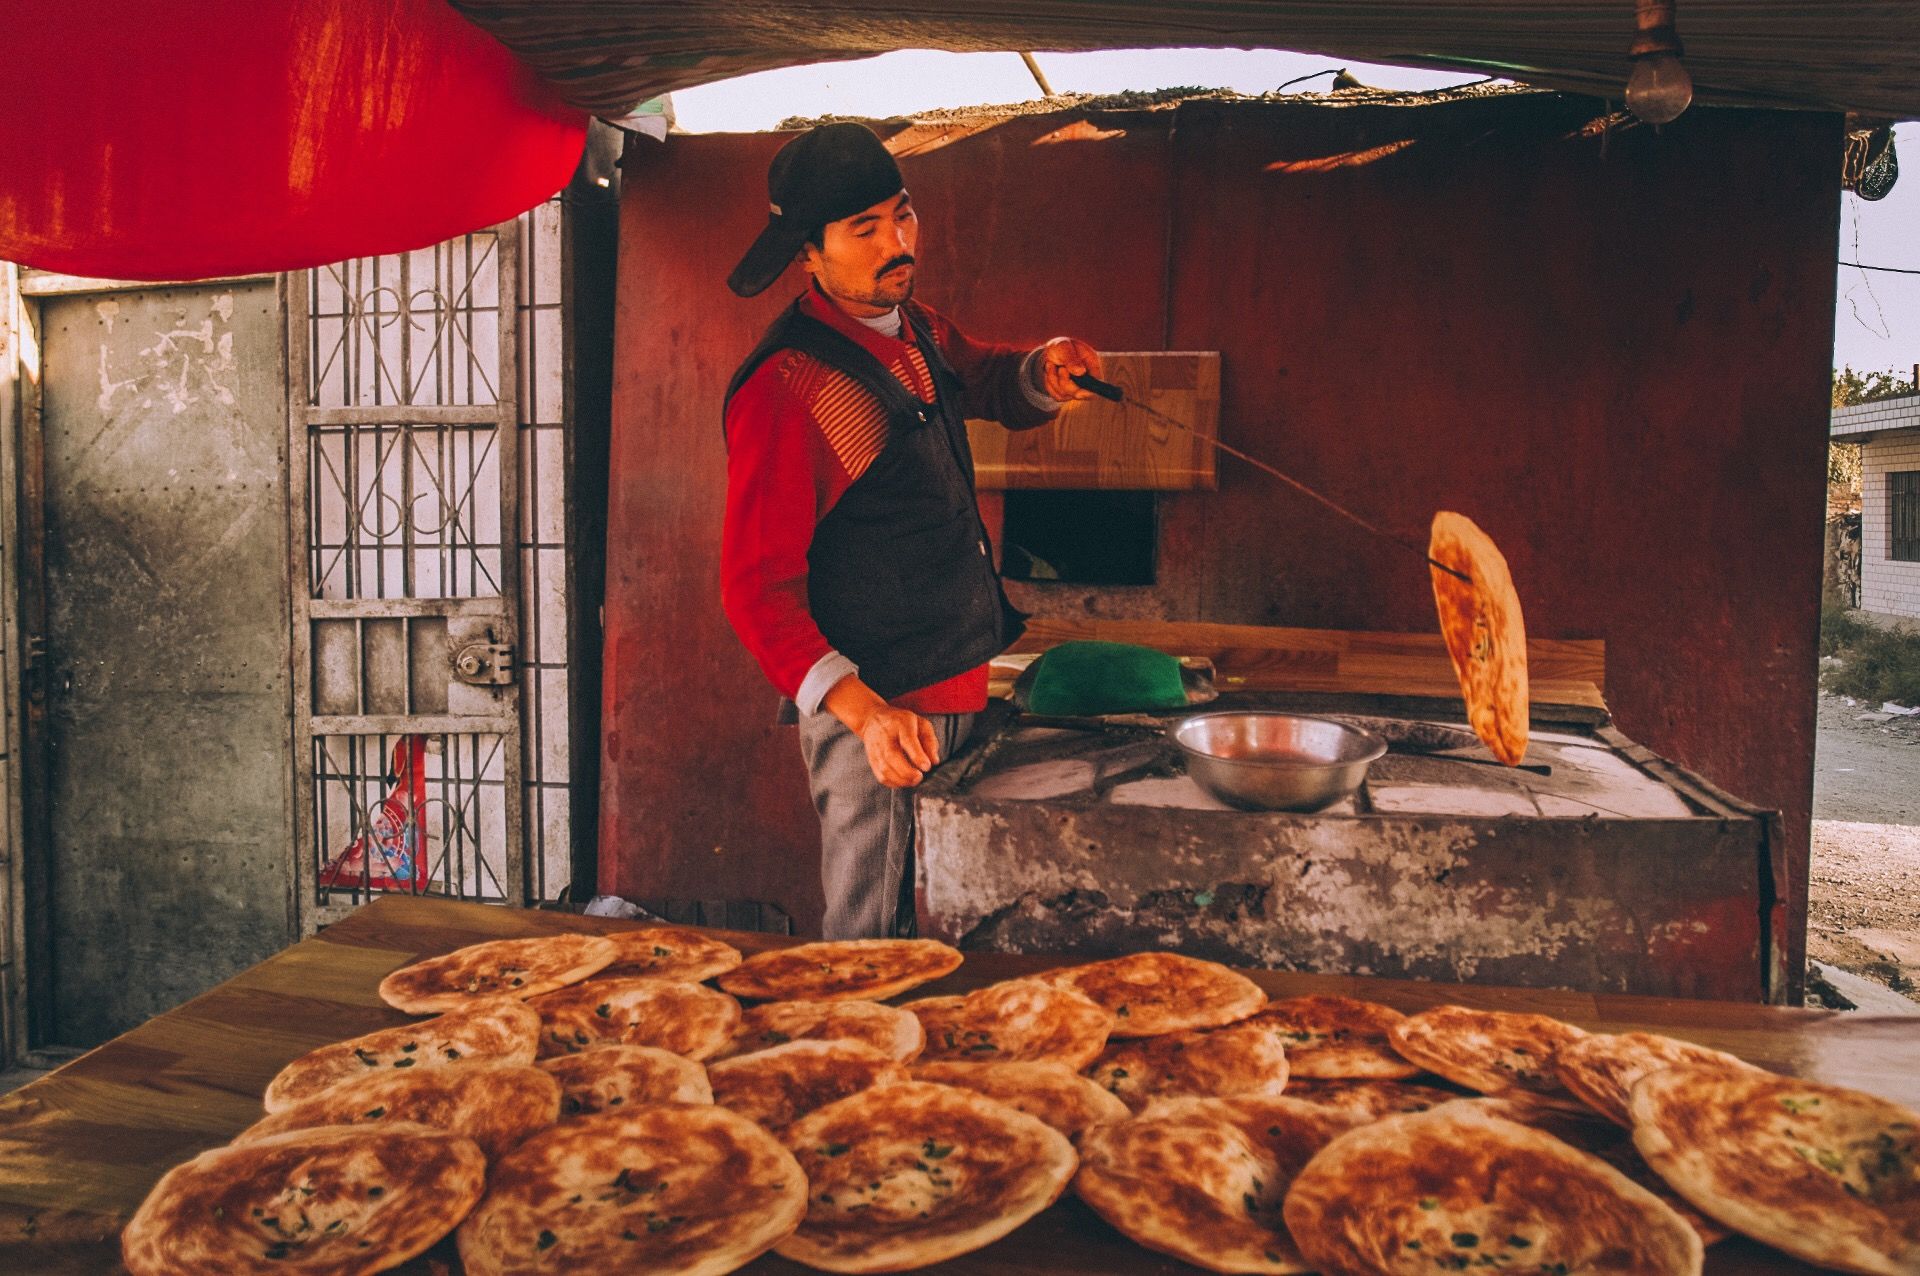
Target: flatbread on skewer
[1600, 1069]
[837, 970]
[1153, 993]
[1338, 1037]
[1018, 1020]
[778, 1086]
[495, 1104]
[888, 1029]
[497, 1030]
[667, 1014]
[1367, 1100]
[1203, 1179]
[1492, 1051]
[608, 1078]
[1827, 1174]
[334, 1201]
[1456, 1189]
[501, 967]
[1241, 1060]
[1485, 633]
[669, 952]
[1061, 1097]
[691, 1189]
[902, 1176]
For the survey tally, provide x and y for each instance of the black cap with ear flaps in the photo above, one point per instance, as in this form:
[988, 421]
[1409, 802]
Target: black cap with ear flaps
[827, 173]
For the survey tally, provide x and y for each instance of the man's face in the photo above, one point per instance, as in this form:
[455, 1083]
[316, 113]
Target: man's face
[866, 261]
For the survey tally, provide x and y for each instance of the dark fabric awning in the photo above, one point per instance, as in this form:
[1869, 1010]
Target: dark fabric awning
[1841, 55]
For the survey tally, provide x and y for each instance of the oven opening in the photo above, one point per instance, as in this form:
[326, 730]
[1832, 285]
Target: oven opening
[1080, 537]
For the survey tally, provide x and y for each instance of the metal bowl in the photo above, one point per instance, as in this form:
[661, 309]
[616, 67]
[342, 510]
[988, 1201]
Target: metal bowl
[1270, 761]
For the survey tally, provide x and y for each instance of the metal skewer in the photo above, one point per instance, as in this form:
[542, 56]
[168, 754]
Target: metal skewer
[1108, 390]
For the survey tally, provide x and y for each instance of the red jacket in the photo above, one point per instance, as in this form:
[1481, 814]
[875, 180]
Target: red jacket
[799, 434]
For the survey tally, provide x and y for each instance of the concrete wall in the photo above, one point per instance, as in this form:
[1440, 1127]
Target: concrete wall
[1887, 587]
[1609, 347]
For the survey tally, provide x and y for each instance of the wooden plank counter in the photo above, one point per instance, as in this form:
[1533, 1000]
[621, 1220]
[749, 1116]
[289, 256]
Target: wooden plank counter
[80, 1148]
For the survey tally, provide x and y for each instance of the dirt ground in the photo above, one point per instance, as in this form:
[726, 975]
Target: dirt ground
[1864, 914]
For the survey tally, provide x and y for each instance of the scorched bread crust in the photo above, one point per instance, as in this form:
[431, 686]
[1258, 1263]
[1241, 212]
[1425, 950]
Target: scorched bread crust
[777, 1087]
[1491, 1051]
[608, 1078]
[669, 952]
[1827, 1174]
[1484, 631]
[501, 967]
[1203, 1179]
[905, 1175]
[1455, 1189]
[1153, 993]
[667, 1014]
[498, 1030]
[1337, 1037]
[495, 1104]
[1242, 1060]
[1600, 1070]
[691, 1189]
[890, 1030]
[1015, 1021]
[1061, 1097]
[335, 1201]
[845, 969]
[1368, 1100]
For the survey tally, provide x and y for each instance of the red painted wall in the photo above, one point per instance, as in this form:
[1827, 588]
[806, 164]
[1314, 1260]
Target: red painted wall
[1612, 351]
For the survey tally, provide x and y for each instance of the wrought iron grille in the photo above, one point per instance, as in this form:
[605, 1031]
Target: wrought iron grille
[1903, 516]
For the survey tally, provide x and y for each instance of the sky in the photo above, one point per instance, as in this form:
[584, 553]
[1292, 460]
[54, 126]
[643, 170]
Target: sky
[1876, 322]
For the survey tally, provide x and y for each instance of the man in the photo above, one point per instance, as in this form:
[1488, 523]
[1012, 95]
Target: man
[854, 565]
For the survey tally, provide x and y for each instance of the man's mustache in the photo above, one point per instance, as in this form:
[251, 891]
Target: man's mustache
[904, 259]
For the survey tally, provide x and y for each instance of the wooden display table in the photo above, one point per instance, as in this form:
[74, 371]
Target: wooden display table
[80, 1148]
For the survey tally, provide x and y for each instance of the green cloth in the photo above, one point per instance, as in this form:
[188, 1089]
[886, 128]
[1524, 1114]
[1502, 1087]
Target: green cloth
[1085, 679]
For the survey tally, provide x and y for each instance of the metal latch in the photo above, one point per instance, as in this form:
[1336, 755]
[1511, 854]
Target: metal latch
[484, 664]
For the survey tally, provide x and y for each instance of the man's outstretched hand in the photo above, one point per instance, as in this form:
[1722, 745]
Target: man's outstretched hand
[1061, 360]
[901, 746]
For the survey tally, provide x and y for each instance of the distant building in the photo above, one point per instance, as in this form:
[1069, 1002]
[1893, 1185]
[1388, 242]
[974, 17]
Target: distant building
[1888, 431]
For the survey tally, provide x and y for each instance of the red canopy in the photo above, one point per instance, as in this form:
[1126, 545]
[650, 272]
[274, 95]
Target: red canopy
[177, 141]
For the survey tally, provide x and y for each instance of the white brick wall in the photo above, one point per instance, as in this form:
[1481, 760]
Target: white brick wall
[1902, 413]
[1886, 587]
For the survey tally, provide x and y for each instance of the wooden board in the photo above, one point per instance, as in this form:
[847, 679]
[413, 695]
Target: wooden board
[80, 1148]
[1099, 444]
[1564, 671]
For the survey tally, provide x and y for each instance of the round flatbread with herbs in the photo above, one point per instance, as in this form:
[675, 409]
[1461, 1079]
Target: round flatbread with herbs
[1828, 1174]
[841, 970]
[1203, 1179]
[1492, 1051]
[1485, 633]
[691, 1189]
[888, 1029]
[1368, 1100]
[1338, 1037]
[502, 967]
[1242, 1060]
[668, 1014]
[495, 1104]
[669, 952]
[1456, 1189]
[1153, 993]
[1016, 1021]
[1058, 1095]
[608, 1078]
[1601, 1069]
[333, 1201]
[779, 1085]
[907, 1175]
[496, 1030]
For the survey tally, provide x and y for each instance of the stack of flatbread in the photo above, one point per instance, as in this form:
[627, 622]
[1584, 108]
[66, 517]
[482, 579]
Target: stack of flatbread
[588, 1103]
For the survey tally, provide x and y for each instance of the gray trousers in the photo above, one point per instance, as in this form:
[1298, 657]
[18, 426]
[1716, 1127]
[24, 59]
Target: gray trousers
[866, 828]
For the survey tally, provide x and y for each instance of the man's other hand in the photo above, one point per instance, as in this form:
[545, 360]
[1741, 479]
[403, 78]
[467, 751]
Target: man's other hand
[1061, 360]
[901, 745]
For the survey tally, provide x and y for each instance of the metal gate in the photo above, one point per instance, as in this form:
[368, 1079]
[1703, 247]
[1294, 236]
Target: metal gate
[405, 383]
